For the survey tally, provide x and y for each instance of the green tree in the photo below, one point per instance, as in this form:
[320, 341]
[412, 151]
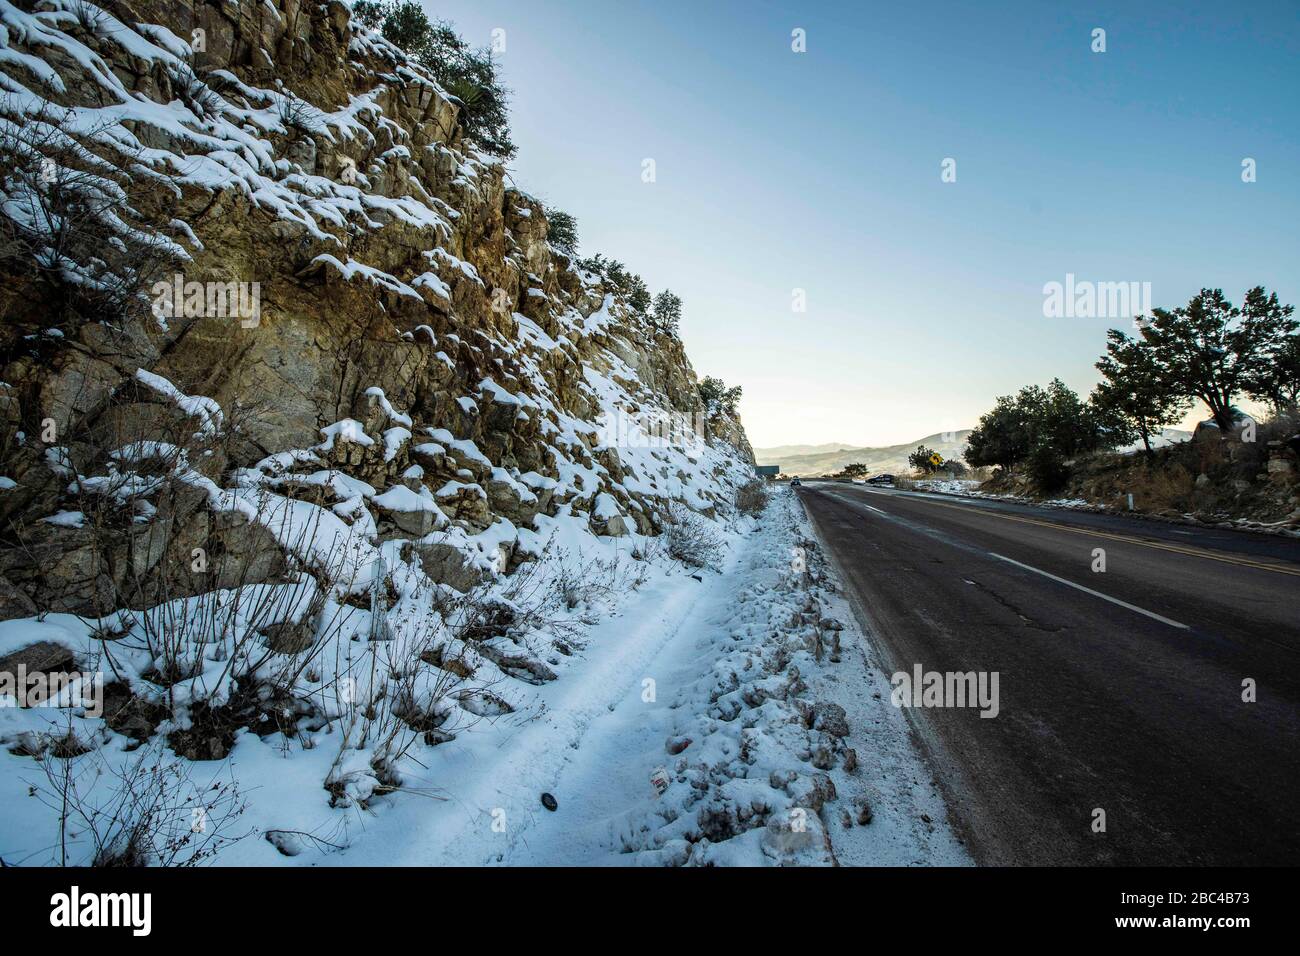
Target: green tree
[1065, 422]
[562, 230]
[616, 274]
[369, 13]
[470, 75]
[467, 73]
[1278, 382]
[596, 264]
[1040, 427]
[718, 398]
[638, 296]
[1135, 396]
[1213, 351]
[1003, 436]
[404, 25]
[667, 312]
[924, 460]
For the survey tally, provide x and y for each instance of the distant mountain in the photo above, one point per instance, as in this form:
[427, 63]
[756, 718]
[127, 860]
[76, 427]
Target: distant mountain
[825, 459]
[793, 451]
[811, 460]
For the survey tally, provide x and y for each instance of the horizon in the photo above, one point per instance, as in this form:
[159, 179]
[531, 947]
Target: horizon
[1065, 158]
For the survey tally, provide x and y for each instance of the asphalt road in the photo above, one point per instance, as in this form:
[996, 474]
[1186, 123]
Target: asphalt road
[1119, 690]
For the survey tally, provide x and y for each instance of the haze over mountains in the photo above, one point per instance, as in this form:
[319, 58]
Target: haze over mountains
[793, 451]
[824, 459]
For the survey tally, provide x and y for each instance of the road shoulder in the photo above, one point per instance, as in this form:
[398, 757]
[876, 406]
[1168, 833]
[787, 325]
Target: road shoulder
[899, 781]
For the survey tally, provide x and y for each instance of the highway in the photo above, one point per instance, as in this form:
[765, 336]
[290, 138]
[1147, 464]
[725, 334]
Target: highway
[1120, 691]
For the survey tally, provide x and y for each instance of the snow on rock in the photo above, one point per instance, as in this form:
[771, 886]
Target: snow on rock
[299, 596]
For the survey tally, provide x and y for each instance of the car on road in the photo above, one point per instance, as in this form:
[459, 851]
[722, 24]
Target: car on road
[795, 482]
[880, 480]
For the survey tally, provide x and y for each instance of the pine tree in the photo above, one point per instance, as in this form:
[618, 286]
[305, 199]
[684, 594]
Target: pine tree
[1135, 395]
[667, 312]
[1212, 350]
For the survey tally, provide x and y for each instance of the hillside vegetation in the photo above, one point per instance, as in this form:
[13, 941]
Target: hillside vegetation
[1049, 441]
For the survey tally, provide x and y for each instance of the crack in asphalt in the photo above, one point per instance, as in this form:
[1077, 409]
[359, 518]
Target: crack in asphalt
[1013, 608]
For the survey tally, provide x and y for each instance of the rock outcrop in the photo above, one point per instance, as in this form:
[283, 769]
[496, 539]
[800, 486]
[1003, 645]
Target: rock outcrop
[297, 285]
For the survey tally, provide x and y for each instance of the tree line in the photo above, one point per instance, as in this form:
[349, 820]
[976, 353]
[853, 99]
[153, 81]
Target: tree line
[1210, 351]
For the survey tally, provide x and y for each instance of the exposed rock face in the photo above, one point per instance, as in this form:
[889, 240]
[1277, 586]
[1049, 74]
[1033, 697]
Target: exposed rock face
[419, 357]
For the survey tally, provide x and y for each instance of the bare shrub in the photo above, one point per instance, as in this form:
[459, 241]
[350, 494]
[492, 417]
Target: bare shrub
[144, 809]
[300, 116]
[194, 91]
[87, 15]
[68, 218]
[751, 497]
[691, 538]
[229, 616]
[578, 584]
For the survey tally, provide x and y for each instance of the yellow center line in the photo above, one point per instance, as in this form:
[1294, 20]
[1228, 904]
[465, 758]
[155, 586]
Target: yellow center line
[1142, 542]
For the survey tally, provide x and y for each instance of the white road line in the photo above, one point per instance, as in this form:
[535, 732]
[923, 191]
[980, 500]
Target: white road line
[861, 504]
[1104, 597]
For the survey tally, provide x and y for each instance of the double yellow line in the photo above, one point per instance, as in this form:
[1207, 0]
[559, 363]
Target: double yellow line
[1142, 542]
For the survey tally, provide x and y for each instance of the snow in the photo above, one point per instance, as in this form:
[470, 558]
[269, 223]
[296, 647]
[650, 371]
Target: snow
[401, 498]
[605, 507]
[400, 418]
[699, 646]
[375, 724]
[704, 664]
[353, 269]
[947, 486]
[348, 430]
[67, 519]
[1164, 438]
[196, 406]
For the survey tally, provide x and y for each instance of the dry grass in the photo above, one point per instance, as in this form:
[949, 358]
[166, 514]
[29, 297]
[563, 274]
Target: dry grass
[690, 538]
[752, 497]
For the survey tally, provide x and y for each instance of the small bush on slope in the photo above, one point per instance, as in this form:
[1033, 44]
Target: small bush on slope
[562, 231]
[717, 397]
[690, 538]
[751, 498]
[466, 73]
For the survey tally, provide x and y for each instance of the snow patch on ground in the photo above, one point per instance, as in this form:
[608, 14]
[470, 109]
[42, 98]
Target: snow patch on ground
[700, 718]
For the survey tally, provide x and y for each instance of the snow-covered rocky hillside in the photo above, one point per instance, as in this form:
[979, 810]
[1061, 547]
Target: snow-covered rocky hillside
[317, 456]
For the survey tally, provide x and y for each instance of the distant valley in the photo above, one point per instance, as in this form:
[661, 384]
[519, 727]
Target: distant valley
[810, 460]
[825, 459]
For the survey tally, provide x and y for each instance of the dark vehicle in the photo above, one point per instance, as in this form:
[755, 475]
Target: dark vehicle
[881, 480]
[795, 482]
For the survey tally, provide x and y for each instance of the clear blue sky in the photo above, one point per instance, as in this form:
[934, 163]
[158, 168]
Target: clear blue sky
[821, 171]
